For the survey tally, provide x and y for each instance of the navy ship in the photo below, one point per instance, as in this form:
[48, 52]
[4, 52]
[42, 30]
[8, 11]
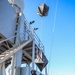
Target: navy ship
[19, 44]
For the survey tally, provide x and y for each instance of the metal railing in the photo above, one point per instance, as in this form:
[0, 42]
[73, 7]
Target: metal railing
[32, 35]
[9, 39]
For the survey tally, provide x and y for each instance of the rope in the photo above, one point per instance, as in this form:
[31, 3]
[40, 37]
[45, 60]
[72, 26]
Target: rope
[45, 1]
[41, 28]
[53, 35]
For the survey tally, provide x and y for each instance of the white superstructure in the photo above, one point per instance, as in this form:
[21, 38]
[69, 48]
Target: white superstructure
[19, 3]
[19, 44]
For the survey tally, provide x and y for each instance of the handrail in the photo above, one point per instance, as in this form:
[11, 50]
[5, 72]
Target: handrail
[7, 39]
[33, 35]
[12, 51]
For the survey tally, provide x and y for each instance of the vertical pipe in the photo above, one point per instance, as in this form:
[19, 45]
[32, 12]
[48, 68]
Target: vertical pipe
[0, 69]
[28, 69]
[3, 69]
[33, 54]
[16, 42]
[36, 57]
[12, 66]
[18, 31]
[18, 55]
[46, 70]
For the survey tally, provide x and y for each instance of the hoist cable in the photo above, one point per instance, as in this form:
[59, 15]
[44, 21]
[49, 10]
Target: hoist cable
[53, 30]
[41, 29]
[45, 1]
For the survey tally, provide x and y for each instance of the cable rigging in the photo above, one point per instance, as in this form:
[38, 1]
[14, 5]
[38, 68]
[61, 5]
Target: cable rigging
[42, 11]
[53, 31]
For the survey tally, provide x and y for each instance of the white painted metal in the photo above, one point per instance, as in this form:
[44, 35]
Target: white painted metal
[33, 54]
[11, 1]
[28, 49]
[8, 24]
[29, 71]
[36, 57]
[12, 65]
[3, 68]
[46, 70]
[7, 28]
[17, 63]
[27, 55]
[18, 71]
[13, 50]
[26, 70]
[19, 58]
[7, 19]
[19, 3]
[18, 55]
[22, 27]
[0, 69]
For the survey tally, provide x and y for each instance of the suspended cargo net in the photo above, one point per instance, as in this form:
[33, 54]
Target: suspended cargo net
[43, 10]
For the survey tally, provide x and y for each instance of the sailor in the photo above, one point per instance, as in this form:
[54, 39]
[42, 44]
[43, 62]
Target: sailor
[33, 72]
